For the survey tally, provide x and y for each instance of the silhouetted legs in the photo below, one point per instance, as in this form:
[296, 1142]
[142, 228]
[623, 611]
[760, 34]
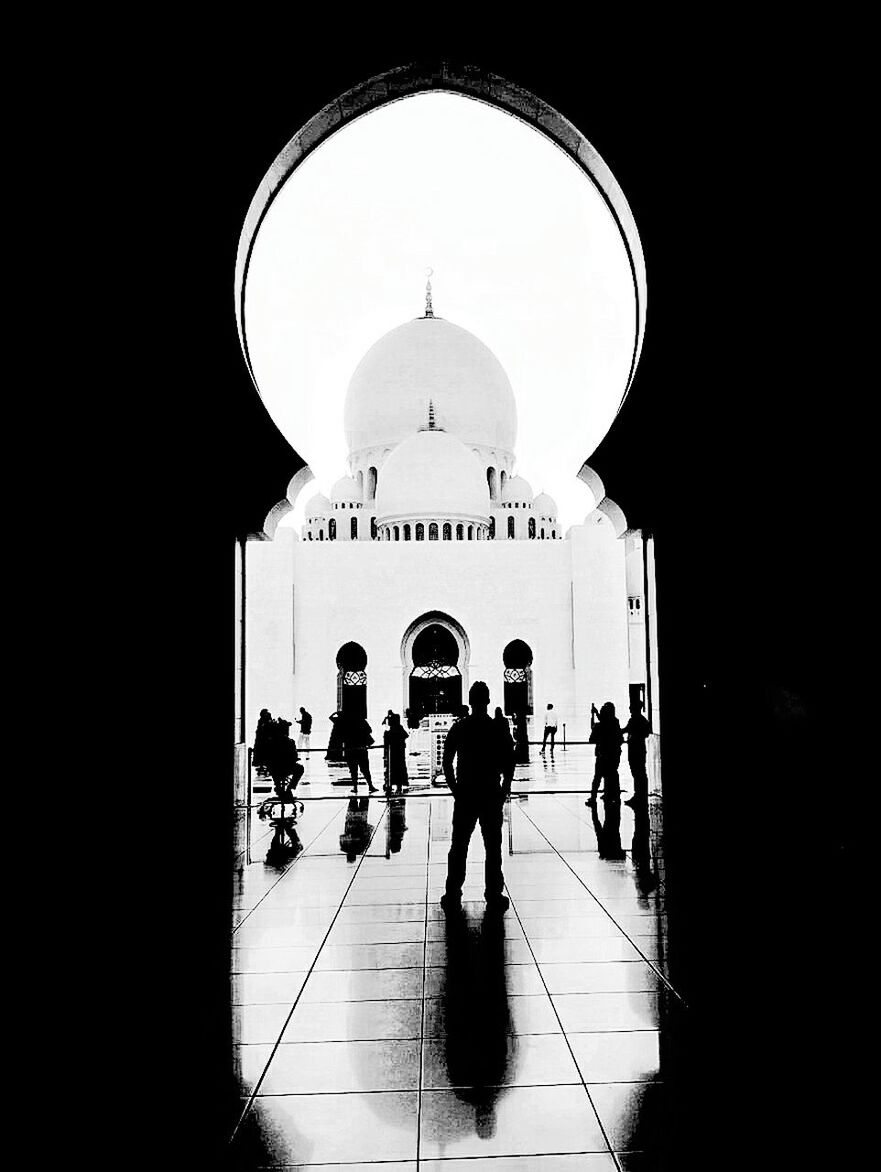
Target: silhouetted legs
[356, 758]
[636, 762]
[605, 771]
[549, 732]
[466, 814]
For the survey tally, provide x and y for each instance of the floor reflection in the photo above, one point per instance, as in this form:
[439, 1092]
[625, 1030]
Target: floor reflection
[480, 1052]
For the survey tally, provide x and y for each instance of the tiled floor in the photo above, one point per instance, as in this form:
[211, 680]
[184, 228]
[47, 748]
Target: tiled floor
[373, 1032]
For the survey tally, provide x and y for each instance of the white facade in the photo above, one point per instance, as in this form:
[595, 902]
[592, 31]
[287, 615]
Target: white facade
[446, 536]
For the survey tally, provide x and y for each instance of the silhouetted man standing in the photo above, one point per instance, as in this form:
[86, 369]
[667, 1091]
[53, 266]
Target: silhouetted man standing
[638, 731]
[480, 786]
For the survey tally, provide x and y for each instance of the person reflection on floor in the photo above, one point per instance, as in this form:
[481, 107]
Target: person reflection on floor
[480, 1050]
[283, 817]
[608, 831]
[357, 831]
[397, 824]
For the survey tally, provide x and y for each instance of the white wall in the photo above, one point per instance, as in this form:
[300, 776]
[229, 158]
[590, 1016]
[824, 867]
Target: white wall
[600, 612]
[269, 632]
[497, 591]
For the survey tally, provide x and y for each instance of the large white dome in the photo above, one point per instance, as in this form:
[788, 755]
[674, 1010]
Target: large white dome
[432, 474]
[430, 358]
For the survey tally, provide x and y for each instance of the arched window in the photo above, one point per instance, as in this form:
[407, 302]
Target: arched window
[492, 527]
[542, 532]
[502, 480]
[361, 484]
[353, 528]
[510, 527]
[470, 532]
[432, 531]
[397, 533]
[420, 531]
[351, 680]
[531, 528]
[321, 535]
[491, 481]
[553, 535]
[371, 483]
[517, 658]
[406, 532]
[331, 529]
[460, 532]
[480, 533]
[448, 531]
[373, 529]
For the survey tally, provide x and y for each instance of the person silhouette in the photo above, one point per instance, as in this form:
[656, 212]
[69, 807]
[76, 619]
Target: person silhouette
[394, 742]
[304, 720]
[521, 739]
[638, 730]
[282, 760]
[358, 737]
[501, 722]
[357, 831]
[482, 756]
[550, 729]
[262, 739]
[606, 734]
[335, 745]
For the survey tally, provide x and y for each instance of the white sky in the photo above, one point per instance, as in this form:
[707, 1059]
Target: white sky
[525, 255]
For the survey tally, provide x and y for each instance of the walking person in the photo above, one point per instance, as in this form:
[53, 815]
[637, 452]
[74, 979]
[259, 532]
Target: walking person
[606, 734]
[335, 749]
[480, 786]
[394, 742]
[305, 722]
[638, 731]
[358, 737]
[550, 729]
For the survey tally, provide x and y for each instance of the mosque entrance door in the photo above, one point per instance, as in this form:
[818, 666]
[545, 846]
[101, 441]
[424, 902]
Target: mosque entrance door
[351, 680]
[435, 681]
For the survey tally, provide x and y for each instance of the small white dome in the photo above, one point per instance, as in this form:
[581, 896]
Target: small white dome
[517, 489]
[430, 358]
[318, 506]
[544, 504]
[345, 490]
[432, 474]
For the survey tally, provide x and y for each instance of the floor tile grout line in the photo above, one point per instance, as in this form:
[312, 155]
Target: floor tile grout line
[566, 1037]
[287, 1020]
[422, 1000]
[288, 870]
[600, 904]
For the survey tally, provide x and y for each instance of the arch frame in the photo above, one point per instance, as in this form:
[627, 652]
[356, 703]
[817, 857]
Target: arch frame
[464, 80]
[428, 619]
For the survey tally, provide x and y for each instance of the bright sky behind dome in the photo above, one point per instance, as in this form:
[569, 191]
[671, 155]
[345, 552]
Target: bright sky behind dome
[525, 254]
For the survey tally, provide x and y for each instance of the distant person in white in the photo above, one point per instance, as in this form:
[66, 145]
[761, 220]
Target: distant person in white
[550, 728]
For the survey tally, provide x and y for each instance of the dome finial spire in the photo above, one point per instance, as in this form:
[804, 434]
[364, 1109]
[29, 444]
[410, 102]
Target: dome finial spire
[429, 312]
[432, 421]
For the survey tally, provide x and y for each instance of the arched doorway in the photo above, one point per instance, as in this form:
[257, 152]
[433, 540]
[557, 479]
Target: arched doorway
[435, 657]
[351, 680]
[517, 658]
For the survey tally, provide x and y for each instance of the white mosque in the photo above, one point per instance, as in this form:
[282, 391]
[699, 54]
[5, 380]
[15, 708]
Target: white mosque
[432, 564]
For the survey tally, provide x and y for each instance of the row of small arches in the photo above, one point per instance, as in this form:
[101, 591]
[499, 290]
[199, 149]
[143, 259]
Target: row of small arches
[435, 533]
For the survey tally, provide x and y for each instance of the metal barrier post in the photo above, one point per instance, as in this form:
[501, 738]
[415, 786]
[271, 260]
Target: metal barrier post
[564, 736]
